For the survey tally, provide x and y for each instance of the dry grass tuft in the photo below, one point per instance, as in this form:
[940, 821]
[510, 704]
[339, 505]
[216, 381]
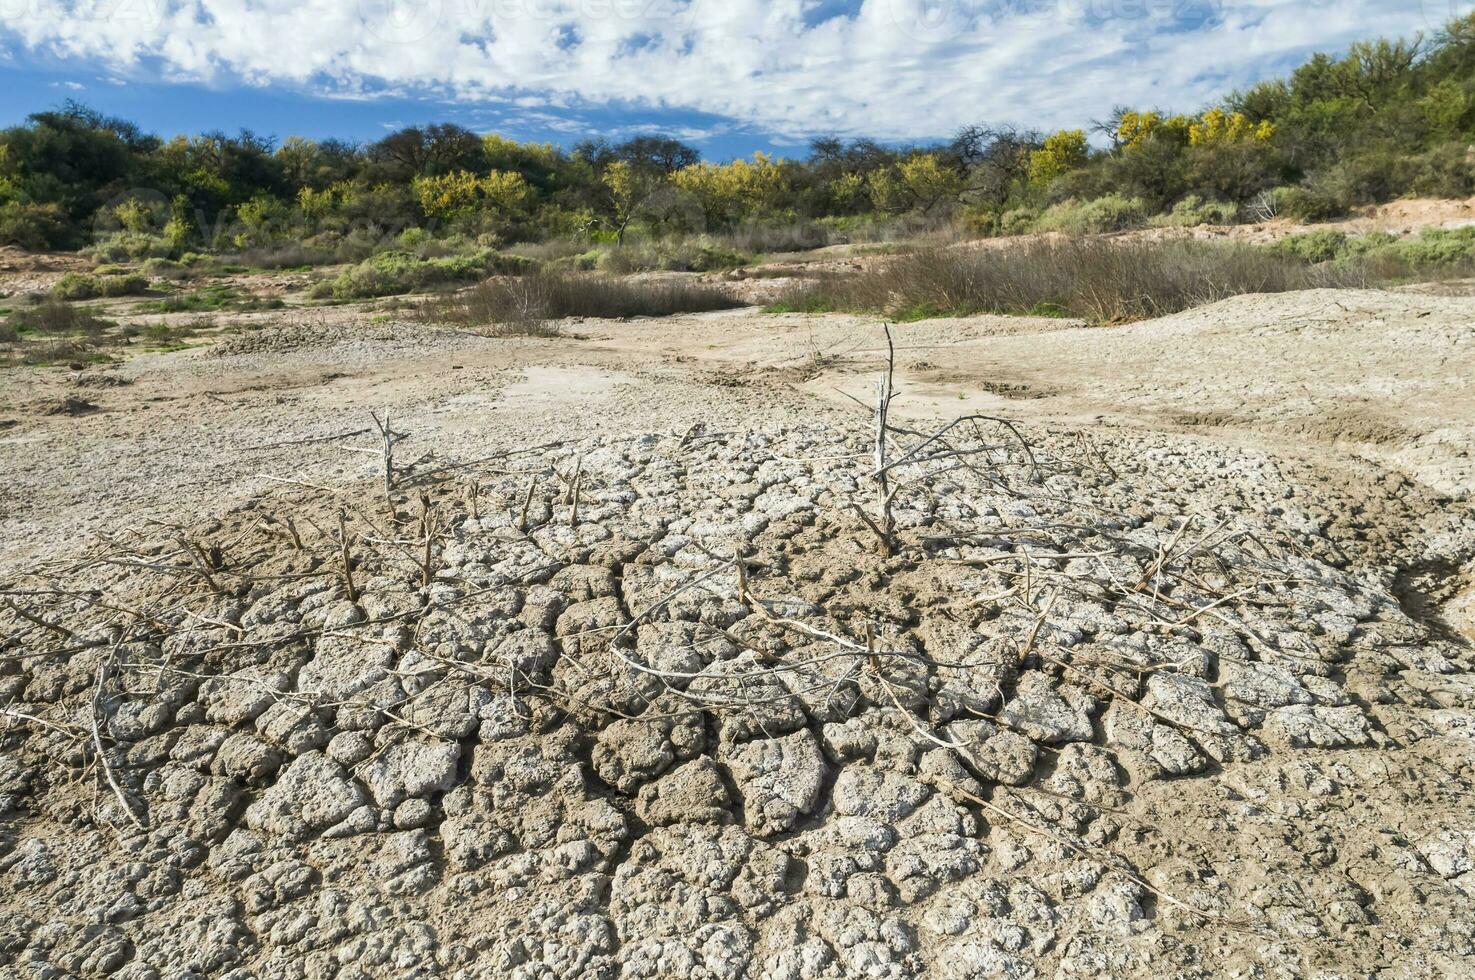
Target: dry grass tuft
[528, 305]
[1101, 281]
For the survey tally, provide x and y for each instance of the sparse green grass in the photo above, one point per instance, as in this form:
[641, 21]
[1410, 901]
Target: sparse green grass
[211, 299]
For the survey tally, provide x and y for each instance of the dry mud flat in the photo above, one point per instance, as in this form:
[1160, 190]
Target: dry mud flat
[653, 706]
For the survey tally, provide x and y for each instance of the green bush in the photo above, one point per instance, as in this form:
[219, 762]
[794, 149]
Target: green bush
[395, 273]
[1311, 204]
[1435, 247]
[1193, 211]
[125, 246]
[209, 299]
[33, 226]
[1314, 246]
[52, 316]
[131, 284]
[979, 221]
[165, 269]
[1445, 251]
[1445, 171]
[77, 286]
[1110, 213]
[1019, 221]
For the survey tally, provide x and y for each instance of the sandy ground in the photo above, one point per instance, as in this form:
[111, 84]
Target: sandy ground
[1297, 773]
[1327, 375]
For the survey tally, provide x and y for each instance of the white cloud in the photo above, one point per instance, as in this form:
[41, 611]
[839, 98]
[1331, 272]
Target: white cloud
[890, 68]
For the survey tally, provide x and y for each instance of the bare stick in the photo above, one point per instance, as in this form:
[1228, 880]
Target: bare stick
[30, 617]
[388, 436]
[527, 502]
[197, 558]
[347, 558]
[882, 525]
[22, 716]
[958, 793]
[292, 530]
[573, 517]
[102, 756]
[569, 482]
[427, 530]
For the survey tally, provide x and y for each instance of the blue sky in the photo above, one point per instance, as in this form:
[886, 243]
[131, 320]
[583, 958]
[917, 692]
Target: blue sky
[731, 76]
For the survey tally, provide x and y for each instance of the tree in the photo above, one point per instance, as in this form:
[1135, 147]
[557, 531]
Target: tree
[1221, 126]
[631, 189]
[1061, 153]
[440, 148]
[922, 182]
[659, 153]
[995, 160]
[730, 192]
[445, 196]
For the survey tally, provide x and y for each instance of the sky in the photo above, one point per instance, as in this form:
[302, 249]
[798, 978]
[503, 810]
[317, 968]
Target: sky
[730, 76]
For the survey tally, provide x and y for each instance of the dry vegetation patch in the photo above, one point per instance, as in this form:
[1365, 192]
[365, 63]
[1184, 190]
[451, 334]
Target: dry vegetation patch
[528, 303]
[1096, 279]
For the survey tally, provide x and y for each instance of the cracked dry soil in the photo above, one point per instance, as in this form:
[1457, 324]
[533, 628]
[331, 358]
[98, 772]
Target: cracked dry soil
[650, 704]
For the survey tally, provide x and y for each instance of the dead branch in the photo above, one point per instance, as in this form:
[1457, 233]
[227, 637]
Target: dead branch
[103, 670]
[346, 557]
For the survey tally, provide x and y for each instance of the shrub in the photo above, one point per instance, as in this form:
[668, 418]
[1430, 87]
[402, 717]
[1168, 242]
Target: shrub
[543, 295]
[130, 284]
[1445, 171]
[1310, 204]
[1019, 221]
[1436, 247]
[394, 273]
[165, 269]
[1446, 252]
[984, 222]
[1110, 213]
[126, 246]
[702, 254]
[33, 226]
[1193, 211]
[52, 316]
[76, 286]
[1314, 246]
[1098, 280]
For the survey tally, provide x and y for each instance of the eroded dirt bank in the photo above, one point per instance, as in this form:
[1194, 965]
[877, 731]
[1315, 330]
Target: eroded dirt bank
[1184, 688]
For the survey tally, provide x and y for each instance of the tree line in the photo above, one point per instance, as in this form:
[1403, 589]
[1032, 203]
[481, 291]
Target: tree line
[1387, 119]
